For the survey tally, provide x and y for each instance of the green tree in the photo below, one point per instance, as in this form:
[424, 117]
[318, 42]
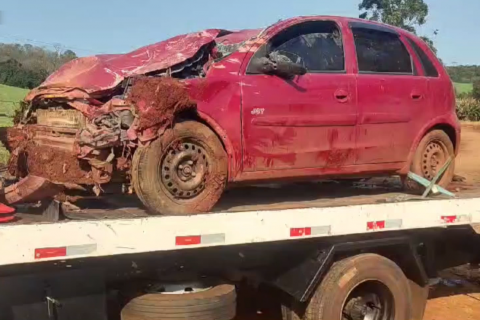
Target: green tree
[406, 14]
[476, 89]
[27, 66]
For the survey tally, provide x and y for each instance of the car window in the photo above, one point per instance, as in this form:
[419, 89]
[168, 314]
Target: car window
[316, 51]
[381, 52]
[427, 64]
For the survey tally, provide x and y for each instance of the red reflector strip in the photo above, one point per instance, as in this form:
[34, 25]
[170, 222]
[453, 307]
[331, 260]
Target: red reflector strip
[449, 219]
[300, 232]
[44, 253]
[375, 225]
[462, 218]
[204, 239]
[188, 240]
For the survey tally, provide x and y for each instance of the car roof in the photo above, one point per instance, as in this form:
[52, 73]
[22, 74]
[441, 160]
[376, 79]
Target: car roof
[340, 19]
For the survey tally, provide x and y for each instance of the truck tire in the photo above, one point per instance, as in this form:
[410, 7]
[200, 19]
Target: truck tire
[431, 154]
[218, 303]
[182, 172]
[358, 287]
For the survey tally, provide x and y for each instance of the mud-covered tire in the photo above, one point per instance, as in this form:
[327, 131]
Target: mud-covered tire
[438, 142]
[149, 175]
[218, 303]
[332, 295]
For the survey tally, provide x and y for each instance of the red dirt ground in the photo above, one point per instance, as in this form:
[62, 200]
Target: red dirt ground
[467, 163]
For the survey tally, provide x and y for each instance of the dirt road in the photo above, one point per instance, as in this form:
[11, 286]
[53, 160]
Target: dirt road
[467, 163]
[456, 297]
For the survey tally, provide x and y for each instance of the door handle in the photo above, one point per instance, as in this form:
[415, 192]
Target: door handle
[416, 96]
[341, 95]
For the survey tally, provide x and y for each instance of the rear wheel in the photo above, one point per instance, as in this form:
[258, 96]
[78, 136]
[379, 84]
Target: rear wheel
[218, 303]
[182, 172]
[366, 286]
[431, 155]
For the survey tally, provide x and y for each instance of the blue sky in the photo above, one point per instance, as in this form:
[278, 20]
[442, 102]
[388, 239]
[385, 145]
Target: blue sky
[114, 26]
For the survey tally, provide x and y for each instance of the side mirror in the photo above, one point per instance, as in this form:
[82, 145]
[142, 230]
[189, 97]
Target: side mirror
[282, 68]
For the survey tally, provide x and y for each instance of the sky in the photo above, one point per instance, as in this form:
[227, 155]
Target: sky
[116, 26]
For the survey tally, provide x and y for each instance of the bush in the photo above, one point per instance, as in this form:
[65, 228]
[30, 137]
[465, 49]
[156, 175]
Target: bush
[468, 109]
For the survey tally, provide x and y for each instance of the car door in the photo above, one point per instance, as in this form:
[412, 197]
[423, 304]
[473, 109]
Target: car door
[390, 95]
[307, 121]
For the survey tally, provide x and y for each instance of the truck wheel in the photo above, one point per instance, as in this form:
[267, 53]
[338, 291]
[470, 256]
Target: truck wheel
[182, 172]
[366, 286]
[217, 303]
[431, 154]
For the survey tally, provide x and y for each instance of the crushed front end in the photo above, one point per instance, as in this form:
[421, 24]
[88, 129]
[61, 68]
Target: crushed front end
[80, 128]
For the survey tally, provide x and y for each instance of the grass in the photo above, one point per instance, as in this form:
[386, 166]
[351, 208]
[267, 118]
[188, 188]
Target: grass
[9, 98]
[463, 87]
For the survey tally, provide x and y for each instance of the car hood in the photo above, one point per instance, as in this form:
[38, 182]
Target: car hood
[91, 76]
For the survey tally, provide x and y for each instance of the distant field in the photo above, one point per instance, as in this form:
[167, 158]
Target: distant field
[9, 98]
[463, 87]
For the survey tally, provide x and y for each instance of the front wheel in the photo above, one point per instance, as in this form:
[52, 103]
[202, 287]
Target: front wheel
[431, 155]
[182, 172]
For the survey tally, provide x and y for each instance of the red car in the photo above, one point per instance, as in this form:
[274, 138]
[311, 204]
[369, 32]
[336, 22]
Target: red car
[308, 97]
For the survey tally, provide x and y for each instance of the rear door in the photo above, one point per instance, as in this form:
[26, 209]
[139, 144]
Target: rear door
[391, 95]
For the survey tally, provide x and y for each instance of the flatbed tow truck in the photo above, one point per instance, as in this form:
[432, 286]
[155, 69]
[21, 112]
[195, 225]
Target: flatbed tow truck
[327, 250]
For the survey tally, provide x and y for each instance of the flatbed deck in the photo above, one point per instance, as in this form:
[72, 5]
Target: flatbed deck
[264, 198]
[299, 211]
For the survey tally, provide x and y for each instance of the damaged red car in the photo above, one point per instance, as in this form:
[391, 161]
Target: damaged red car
[175, 122]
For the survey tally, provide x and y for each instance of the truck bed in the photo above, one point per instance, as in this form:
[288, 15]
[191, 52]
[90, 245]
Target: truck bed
[261, 214]
[322, 194]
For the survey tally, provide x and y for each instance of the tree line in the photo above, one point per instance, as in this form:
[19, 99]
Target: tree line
[464, 74]
[27, 66]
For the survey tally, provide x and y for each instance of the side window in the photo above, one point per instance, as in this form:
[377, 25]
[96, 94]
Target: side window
[381, 52]
[317, 45]
[427, 64]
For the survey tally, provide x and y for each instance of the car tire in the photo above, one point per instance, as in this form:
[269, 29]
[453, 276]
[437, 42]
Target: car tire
[363, 275]
[182, 172]
[216, 303]
[431, 154]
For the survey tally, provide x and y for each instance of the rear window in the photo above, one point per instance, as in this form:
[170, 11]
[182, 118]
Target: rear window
[381, 52]
[427, 64]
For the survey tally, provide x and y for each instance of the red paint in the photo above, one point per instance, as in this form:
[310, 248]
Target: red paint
[7, 218]
[375, 225]
[188, 240]
[300, 232]
[6, 210]
[44, 253]
[449, 219]
[316, 125]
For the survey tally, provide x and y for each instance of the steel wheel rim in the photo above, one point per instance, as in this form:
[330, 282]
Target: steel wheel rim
[433, 158]
[184, 169]
[370, 300]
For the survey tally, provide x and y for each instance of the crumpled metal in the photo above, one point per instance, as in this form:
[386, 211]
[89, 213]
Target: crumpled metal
[95, 76]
